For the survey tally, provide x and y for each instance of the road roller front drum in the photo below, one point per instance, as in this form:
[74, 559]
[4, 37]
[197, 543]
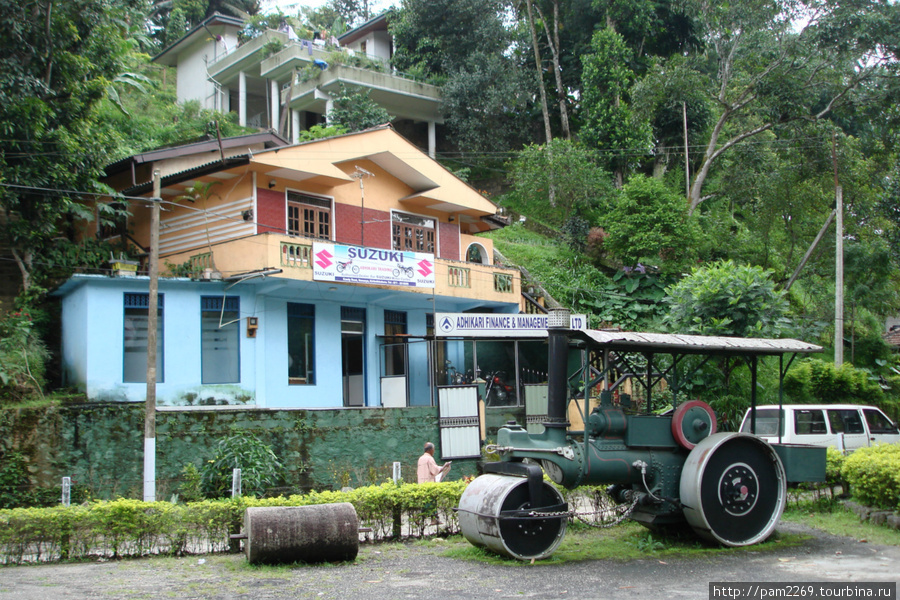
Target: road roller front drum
[494, 514]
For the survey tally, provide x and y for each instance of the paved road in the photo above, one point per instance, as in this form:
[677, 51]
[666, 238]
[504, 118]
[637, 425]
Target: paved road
[407, 571]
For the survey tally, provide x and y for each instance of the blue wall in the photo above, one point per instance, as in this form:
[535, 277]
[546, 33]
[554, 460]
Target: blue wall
[93, 323]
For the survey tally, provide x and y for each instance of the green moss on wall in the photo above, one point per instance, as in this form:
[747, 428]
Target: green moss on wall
[100, 445]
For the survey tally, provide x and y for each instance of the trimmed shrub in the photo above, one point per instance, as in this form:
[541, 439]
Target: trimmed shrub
[874, 475]
[134, 528]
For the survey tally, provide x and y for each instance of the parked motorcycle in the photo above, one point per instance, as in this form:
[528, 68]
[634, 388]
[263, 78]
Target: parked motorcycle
[497, 392]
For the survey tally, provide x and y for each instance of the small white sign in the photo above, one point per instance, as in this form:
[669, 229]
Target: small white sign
[356, 264]
[497, 325]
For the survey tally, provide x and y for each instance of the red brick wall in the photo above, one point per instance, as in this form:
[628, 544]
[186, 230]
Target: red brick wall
[270, 211]
[449, 241]
[347, 226]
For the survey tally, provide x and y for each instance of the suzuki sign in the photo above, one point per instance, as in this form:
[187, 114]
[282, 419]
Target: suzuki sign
[355, 264]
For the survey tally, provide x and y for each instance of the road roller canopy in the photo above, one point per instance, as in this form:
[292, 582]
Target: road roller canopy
[672, 343]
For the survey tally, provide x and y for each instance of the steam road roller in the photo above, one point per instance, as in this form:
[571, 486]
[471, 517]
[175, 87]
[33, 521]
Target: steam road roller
[662, 469]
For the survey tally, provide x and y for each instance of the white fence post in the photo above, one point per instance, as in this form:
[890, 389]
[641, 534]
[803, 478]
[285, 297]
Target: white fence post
[236, 483]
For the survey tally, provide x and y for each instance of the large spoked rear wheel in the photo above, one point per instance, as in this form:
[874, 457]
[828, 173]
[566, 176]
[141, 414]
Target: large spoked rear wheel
[733, 489]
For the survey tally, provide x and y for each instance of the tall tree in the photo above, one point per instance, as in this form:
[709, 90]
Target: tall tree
[609, 122]
[437, 37]
[466, 47]
[779, 62]
[56, 62]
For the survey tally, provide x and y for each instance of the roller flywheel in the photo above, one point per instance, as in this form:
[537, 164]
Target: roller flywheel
[496, 512]
[733, 489]
[693, 421]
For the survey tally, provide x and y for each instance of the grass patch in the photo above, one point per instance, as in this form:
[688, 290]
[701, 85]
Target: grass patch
[626, 542]
[56, 398]
[837, 520]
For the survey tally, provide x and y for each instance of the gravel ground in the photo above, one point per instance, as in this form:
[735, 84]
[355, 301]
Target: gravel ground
[401, 571]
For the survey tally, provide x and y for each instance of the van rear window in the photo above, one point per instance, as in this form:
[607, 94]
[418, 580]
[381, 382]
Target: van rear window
[766, 423]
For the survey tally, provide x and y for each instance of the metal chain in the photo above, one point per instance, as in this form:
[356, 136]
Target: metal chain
[618, 520]
[580, 515]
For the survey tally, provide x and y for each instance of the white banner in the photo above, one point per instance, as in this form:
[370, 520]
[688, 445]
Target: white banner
[355, 264]
[497, 325]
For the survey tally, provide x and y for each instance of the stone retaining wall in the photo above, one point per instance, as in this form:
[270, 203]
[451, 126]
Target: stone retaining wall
[100, 445]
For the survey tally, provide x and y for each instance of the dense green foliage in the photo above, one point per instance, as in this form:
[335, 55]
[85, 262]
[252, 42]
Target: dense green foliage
[874, 475]
[355, 111]
[649, 223]
[727, 299]
[23, 357]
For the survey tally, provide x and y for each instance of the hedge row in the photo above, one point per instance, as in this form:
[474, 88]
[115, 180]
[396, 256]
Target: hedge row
[873, 474]
[134, 528]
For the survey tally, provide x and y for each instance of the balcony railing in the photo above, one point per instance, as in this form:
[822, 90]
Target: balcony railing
[198, 263]
[503, 283]
[458, 277]
[295, 255]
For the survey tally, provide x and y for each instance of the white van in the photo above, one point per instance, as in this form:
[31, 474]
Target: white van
[844, 426]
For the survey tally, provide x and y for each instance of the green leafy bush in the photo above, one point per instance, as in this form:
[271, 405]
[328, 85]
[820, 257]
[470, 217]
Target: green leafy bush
[23, 357]
[260, 468]
[815, 381]
[874, 475]
[134, 528]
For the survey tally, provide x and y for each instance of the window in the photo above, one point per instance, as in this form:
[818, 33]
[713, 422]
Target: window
[134, 347]
[845, 421]
[394, 348]
[476, 254]
[412, 234]
[878, 423]
[809, 422]
[309, 216]
[220, 351]
[301, 330]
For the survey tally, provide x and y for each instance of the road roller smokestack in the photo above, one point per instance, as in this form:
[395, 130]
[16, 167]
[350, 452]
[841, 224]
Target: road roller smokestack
[558, 360]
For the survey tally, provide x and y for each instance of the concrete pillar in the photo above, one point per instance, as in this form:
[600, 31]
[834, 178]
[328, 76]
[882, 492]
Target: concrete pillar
[432, 139]
[275, 113]
[329, 106]
[242, 99]
[295, 126]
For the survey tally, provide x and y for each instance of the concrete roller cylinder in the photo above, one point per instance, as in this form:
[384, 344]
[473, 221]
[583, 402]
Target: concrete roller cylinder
[289, 534]
[482, 523]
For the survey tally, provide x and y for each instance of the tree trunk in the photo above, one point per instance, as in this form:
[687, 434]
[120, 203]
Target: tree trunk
[553, 44]
[539, 72]
[25, 263]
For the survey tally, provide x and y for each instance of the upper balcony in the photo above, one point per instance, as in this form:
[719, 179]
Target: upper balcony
[484, 284]
[401, 97]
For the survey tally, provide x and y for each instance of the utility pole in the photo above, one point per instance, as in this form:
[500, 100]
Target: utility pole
[359, 174]
[687, 162]
[838, 262]
[839, 279]
[152, 324]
